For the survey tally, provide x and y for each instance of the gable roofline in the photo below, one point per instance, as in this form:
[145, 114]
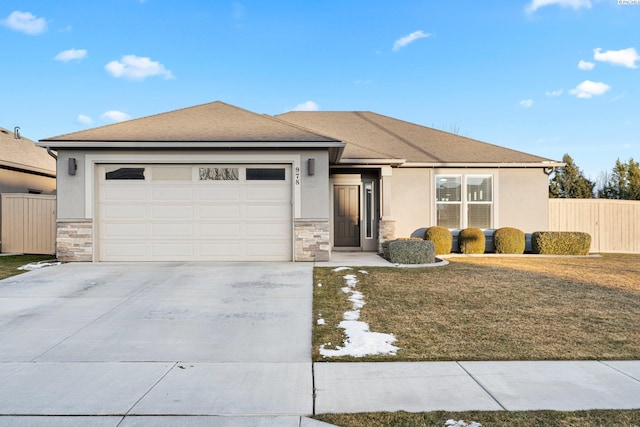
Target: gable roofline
[212, 125]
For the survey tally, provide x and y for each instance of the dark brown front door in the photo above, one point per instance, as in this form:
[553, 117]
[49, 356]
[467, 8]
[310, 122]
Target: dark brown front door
[346, 215]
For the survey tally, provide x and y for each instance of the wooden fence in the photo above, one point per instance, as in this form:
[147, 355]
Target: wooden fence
[614, 225]
[28, 223]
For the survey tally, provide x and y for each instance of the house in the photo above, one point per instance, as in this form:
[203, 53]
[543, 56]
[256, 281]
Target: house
[215, 182]
[24, 167]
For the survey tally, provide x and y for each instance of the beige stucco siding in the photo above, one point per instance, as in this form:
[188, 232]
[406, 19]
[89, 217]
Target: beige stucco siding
[520, 198]
[523, 199]
[411, 199]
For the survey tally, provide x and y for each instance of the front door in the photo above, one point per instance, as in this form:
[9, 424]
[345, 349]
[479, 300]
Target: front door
[346, 215]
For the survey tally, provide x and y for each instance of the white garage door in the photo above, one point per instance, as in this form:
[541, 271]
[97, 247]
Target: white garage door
[194, 212]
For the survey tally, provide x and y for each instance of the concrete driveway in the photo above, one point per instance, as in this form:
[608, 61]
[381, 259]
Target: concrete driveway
[157, 338]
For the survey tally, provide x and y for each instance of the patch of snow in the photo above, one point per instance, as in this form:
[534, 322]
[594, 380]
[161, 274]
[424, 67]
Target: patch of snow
[319, 285]
[360, 341]
[38, 265]
[461, 423]
[363, 272]
[339, 269]
[321, 322]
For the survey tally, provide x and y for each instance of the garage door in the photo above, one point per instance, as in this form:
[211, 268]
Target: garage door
[194, 212]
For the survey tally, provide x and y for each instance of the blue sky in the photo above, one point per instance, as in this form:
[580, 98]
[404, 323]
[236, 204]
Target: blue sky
[546, 77]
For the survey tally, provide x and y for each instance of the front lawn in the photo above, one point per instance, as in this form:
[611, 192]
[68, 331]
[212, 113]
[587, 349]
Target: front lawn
[492, 308]
[9, 263]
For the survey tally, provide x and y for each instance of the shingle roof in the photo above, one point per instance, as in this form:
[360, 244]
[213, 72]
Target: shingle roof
[23, 154]
[373, 136]
[213, 122]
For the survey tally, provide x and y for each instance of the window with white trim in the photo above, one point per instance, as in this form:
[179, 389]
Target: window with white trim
[464, 201]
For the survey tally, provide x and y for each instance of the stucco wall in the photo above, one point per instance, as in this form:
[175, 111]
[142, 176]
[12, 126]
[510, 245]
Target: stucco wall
[523, 199]
[520, 198]
[411, 200]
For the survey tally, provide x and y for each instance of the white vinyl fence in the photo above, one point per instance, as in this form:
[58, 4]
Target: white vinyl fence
[614, 225]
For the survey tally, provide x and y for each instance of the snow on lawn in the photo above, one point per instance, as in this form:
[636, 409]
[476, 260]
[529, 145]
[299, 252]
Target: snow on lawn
[360, 341]
[462, 423]
[38, 265]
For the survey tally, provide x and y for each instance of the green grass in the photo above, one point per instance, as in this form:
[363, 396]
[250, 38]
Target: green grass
[493, 308]
[9, 263]
[617, 418]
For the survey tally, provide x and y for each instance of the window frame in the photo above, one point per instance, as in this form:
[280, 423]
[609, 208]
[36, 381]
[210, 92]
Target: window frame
[464, 201]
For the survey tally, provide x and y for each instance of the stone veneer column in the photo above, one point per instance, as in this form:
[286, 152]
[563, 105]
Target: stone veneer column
[74, 241]
[312, 240]
[387, 231]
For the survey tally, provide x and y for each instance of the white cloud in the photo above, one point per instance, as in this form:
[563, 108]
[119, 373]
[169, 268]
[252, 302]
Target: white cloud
[625, 57]
[586, 65]
[526, 103]
[307, 106]
[554, 92]
[575, 4]
[25, 22]
[137, 68]
[587, 89]
[85, 120]
[403, 41]
[71, 54]
[115, 116]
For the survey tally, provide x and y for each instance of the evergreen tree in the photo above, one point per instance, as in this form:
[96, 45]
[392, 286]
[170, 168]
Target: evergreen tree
[623, 182]
[570, 183]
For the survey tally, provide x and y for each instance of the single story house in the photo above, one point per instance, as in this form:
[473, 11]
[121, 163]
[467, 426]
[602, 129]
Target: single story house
[215, 182]
[24, 167]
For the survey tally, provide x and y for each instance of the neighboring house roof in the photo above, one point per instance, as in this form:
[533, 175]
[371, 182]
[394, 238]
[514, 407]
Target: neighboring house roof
[374, 138]
[216, 124]
[22, 154]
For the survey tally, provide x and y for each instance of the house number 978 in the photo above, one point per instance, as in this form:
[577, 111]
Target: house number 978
[297, 175]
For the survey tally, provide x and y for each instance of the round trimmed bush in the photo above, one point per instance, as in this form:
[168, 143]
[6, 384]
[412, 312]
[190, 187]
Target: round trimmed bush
[441, 238]
[509, 240]
[471, 241]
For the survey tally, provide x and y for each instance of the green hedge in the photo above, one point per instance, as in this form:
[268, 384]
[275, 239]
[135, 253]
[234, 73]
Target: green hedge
[472, 241]
[441, 238]
[560, 243]
[509, 240]
[409, 251]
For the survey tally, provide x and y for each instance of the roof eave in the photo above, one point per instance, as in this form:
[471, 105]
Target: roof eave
[189, 144]
[392, 162]
[543, 164]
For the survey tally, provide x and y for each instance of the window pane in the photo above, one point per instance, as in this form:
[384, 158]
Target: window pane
[448, 188]
[449, 215]
[479, 215]
[368, 209]
[479, 189]
[124, 173]
[172, 173]
[219, 174]
[265, 174]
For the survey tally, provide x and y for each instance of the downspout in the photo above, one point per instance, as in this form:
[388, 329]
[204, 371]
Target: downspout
[51, 153]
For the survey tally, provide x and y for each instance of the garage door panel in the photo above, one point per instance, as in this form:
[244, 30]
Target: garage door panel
[219, 191]
[220, 230]
[193, 219]
[268, 194]
[182, 193]
[121, 211]
[123, 230]
[220, 211]
[173, 229]
[167, 211]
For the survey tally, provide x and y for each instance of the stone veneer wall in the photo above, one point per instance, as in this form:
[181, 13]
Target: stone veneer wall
[386, 231]
[312, 240]
[74, 241]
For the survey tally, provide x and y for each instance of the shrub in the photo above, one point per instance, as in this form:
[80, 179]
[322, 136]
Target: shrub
[411, 251]
[441, 238]
[471, 241]
[560, 242]
[509, 240]
[385, 245]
